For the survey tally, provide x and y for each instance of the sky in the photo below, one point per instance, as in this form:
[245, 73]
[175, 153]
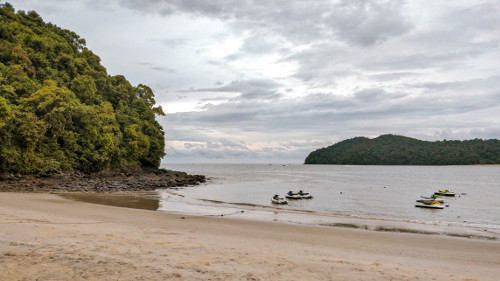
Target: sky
[269, 81]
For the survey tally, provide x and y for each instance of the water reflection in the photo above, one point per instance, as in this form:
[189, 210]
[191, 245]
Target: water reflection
[136, 200]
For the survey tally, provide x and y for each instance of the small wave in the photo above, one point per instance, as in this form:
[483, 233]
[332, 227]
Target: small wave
[212, 201]
[231, 203]
[409, 230]
[346, 225]
[251, 205]
[471, 236]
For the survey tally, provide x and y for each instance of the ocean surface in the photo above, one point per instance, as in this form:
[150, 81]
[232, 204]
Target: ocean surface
[342, 193]
[380, 198]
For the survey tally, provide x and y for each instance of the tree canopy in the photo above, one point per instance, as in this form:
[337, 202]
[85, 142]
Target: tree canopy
[59, 108]
[400, 150]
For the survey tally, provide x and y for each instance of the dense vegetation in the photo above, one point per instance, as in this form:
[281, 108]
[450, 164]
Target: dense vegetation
[60, 110]
[400, 150]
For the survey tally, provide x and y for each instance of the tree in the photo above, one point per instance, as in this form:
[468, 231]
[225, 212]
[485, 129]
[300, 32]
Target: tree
[59, 108]
[400, 150]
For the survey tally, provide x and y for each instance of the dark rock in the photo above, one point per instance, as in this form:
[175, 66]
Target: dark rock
[122, 179]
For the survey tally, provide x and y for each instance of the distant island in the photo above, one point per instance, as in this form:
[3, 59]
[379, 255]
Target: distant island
[401, 150]
[63, 118]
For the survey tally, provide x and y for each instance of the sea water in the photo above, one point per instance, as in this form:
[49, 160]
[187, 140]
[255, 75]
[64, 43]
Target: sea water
[386, 193]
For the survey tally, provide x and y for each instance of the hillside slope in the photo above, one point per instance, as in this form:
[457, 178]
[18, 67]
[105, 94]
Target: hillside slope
[400, 150]
[60, 110]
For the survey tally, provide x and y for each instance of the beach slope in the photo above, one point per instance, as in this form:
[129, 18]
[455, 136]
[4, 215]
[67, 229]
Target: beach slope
[47, 237]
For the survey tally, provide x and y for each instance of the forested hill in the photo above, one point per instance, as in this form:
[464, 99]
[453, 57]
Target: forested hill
[400, 150]
[59, 108]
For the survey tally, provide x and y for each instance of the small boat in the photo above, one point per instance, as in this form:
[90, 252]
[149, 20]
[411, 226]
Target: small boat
[305, 195]
[298, 195]
[278, 200]
[445, 192]
[428, 200]
[291, 195]
[432, 205]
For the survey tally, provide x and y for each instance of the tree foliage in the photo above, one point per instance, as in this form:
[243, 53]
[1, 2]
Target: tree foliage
[60, 110]
[400, 150]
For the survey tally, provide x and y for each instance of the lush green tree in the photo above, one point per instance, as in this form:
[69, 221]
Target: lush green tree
[5, 112]
[400, 150]
[60, 110]
[86, 89]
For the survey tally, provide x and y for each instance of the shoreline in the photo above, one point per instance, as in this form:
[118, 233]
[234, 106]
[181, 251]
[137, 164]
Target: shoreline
[131, 178]
[152, 201]
[48, 237]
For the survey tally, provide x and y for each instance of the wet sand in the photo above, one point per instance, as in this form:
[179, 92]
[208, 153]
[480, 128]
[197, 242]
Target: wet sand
[47, 237]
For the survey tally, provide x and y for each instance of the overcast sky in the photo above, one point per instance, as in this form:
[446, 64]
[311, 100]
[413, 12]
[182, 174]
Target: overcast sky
[272, 80]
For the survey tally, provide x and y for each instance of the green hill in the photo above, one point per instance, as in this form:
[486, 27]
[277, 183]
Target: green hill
[60, 110]
[400, 150]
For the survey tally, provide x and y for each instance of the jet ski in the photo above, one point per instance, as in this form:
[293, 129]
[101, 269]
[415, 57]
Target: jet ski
[428, 200]
[298, 195]
[431, 205]
[445, 192]
[305, 195]
[292, 195]
[278, 200]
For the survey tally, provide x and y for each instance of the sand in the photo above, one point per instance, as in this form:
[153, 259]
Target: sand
[47, 237]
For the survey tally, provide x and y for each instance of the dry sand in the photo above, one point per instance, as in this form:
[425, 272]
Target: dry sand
[47, 237]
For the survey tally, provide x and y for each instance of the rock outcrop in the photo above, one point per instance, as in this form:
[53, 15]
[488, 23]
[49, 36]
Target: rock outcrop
[122, 179]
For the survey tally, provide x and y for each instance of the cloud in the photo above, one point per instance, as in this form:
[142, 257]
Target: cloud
[365, 23]
[277, 79]
[254, 89]
[156, 67]
[172, 42]
[355, 22]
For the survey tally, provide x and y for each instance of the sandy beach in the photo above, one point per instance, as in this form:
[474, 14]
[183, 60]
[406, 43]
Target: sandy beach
[47, 237]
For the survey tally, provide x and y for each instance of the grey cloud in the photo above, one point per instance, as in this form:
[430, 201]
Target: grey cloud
[215, 99]
[203, 154]
[323, 110]
[441, 59]
[60, 6]
[156, 67]
[364, 68]
[318, 118]
[46, 8]
[219, 144]
[491, 83]
[241, 85]
[172, 42]
[357, 22]
[268, 95]
[272, 26]
[369, 94]
[377, 94]
[233, 57]
[190, 145]
[226, 143]
[255, 89]
[391, 75]
[377, 41]
[259, 44]
[150, 6]
[482, 17]
[448, 44]
[368, 22]
[325, 62]
[286, 152]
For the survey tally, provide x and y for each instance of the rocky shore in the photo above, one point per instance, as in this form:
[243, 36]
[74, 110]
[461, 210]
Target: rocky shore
[120, 179]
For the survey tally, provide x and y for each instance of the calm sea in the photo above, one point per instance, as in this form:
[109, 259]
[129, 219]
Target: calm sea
[387, 193]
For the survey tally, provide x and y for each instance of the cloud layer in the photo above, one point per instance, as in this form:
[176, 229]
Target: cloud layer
[270, 81]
